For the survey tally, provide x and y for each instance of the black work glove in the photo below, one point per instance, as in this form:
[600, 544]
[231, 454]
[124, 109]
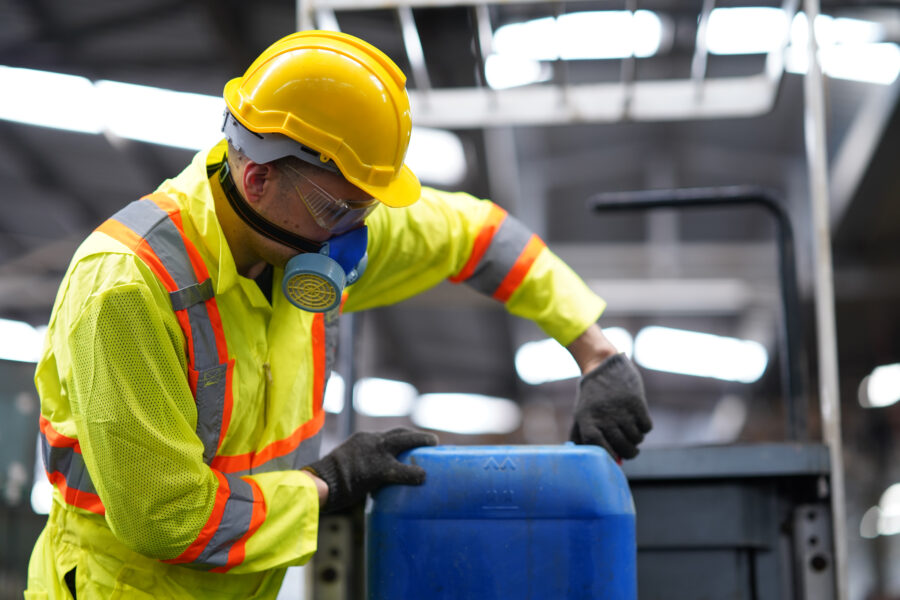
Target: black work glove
[611, 410]
[367, 461]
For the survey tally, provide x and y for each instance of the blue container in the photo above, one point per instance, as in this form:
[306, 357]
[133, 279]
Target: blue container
[504, 523]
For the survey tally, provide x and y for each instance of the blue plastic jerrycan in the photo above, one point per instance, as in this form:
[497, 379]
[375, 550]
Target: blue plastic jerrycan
[504, 522]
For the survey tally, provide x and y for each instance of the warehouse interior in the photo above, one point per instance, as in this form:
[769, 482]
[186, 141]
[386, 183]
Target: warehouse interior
[549, 143]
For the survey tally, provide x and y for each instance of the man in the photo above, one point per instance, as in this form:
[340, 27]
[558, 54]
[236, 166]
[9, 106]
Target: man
[181, 395]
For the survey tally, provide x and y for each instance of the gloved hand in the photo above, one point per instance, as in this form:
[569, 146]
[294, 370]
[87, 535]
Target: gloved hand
[367, 461]
[611, 410]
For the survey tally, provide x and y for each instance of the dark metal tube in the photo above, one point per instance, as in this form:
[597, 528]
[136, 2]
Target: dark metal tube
[791, 340]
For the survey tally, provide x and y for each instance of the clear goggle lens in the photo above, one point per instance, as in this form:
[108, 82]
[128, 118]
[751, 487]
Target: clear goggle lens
[337, 215]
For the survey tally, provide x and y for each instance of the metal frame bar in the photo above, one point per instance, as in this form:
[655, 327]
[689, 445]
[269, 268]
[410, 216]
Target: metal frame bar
[829, 389]
[413, 44]
[793, 380]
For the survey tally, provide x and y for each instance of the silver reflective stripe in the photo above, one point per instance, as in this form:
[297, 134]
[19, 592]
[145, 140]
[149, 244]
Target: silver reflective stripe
[299, 457]
[153, 224]
[502, 253]
[211, 386]
[206, 354]
[307, 452]
[234, 525]
[69, 463]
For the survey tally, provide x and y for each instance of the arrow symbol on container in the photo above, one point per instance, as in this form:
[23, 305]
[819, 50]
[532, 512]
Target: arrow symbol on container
[507, 463]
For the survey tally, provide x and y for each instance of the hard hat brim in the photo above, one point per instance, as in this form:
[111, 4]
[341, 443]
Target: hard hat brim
[404, 190]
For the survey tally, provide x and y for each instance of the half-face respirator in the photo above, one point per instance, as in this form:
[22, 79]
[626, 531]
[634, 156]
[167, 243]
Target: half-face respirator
[314, 279]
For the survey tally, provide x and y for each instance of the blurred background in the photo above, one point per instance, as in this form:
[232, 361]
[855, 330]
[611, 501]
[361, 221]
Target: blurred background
[539, 106]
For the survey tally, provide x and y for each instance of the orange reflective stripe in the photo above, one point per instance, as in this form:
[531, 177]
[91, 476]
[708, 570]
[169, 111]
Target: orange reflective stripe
[193, 551]
[318, 341]
[238, 550]
[238, 512]
[518, 271]
[76, 497]
[492, 223]
[123, 234]
[166, 203]
[56, 439]
[59, 452]
[253, 460]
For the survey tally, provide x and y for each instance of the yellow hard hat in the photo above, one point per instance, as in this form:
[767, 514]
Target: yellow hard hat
[337, 98]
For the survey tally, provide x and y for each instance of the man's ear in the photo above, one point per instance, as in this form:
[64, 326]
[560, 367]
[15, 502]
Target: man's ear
[256, 179]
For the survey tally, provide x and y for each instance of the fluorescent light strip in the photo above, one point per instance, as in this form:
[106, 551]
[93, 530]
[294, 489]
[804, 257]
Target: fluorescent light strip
[546, 360]
[700, 354]
[889, 521]
[171, 118]
[883, 519]
[608, 34]
[49, 100]
[745, 30]
[504, 71]
[467, 413]
[850, 49]
[376, 397]
[881, 387]
[582, 35]
[158, 116]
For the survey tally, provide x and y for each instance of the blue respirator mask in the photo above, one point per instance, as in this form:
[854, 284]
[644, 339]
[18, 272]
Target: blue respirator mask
[314, 279]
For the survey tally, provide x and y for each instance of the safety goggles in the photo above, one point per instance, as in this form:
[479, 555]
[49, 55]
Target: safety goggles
[337, 215]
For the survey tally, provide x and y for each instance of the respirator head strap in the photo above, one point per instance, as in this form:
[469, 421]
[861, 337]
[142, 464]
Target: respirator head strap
[256, 221]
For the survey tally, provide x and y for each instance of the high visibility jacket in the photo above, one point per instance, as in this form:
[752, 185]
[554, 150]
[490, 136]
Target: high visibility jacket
[178, 403]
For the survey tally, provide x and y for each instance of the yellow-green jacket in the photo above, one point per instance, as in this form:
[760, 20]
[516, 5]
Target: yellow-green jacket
[156, 495]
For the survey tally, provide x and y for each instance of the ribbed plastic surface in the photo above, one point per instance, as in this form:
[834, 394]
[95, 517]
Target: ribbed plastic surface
[504, 522]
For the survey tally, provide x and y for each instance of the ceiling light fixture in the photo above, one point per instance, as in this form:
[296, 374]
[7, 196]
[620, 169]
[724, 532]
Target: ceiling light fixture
[746, 30]
[519, 48]
[547, 360]
[850, 49]
[606, 34]
[881, 387]
[376, 397]
[467, 413]
[504, 71]
[883, 519]
[700, 354]
[49, 100]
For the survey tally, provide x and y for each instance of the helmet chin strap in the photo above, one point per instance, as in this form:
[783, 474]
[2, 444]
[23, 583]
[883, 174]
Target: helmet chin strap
[259, 223]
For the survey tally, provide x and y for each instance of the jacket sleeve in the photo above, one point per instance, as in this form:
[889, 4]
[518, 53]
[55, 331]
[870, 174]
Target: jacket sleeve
[475, 242]
[136, 418]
